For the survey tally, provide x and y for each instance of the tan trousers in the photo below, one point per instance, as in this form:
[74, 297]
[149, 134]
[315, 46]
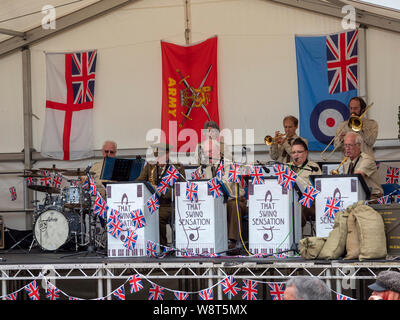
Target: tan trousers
[232, 215]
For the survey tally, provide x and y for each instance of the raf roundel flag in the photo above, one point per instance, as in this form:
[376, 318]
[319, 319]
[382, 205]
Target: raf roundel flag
[328, 77]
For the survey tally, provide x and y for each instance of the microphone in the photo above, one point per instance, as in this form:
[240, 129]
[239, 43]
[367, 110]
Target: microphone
[314, 168]
[264, 167]
[89, 167]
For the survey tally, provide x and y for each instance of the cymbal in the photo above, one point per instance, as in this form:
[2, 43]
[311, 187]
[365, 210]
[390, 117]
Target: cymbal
[75, 173]
[47, 189]
[53, 169]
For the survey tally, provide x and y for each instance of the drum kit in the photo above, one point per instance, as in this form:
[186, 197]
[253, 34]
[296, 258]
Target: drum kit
[63, 219]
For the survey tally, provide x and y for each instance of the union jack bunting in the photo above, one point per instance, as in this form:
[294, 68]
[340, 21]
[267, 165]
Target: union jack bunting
[115, 226]
[153, 204]
[308, 196]
[332, 207]
[192, 191]
[156, 292]
[12, 296]
[280, 256]
[100, 207]
[119, 293]
[384, 200]
[230, 287]
[206, 294]
[342, 60]
[215, 188]
[249, 290]
[220, 170]
[197, 174]
[52, 293]
[138, 219]
[289, 179]
[279, 170]
[136, 283]
[114, 215]
[13, 192]
[45, 180]
[180, 295]
[342, 297]
[33, 290]
[74, 298]
[234, 173]
[276, 290]
[30, 181]
[392, 175]
[57, 180]
[171, 175]
[256, 175]
[130, 240]
[151, 249]
[162, 187]
[90, 185]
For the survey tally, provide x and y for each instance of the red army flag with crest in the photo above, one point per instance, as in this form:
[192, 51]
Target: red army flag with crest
[190, 92]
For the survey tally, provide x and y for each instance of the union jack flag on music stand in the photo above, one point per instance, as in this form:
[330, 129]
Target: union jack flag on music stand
[52, 293]
[249, 290]
[234, 173]
[215, 188]
[308, 196]
[220, 170]
[162, 187]
[192, 191]
[136, 283]
[276, 290]
[332, 207]
[100, 207]
[230, 287]
[153, 204]
[392, 175]
[151, 249]
[130, 240]
[156, 292]
[13, 192]
[138, 219]
[256, 175]
[33, 290]
[279, 171]
[384, 200]
[114, 225]
[289, 179]
[119, 293]
[171, 175]
[90, 185]
[206, 294]
[12, 296]
[180, 295]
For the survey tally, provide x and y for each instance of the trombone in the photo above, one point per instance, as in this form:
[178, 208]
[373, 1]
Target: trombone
[355, 123]
[269, 140]
[336, 171]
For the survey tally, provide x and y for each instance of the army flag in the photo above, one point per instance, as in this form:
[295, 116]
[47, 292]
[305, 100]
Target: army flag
[189, 92]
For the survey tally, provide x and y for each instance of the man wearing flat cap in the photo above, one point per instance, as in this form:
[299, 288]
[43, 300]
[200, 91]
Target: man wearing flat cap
[386, 286]
[153, 172]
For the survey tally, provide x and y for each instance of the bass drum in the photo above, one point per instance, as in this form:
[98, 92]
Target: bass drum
[53, 228]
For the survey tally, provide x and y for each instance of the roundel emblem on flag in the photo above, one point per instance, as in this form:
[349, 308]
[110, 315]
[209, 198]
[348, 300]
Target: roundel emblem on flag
[325, 119]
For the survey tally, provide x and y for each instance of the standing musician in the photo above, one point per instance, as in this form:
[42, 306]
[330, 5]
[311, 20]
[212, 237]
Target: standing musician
[369, 130]
[304, 168]
[281, 150]
[361, 163]
[153, 172]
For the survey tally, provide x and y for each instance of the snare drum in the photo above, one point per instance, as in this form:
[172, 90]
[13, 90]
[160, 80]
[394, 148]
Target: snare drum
[53, 228]
[75, 197]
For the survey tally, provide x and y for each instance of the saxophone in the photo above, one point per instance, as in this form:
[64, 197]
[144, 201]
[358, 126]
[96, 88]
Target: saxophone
[152, 177]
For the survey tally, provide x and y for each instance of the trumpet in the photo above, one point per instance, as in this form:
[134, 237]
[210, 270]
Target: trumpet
[336, 171]
[269, 140]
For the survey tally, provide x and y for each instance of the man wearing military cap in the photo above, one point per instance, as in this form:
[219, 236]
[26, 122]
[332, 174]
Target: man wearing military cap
[386, 286]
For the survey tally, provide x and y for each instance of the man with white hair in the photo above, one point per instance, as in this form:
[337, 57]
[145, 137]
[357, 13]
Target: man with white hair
[361, 163]
[307, 288]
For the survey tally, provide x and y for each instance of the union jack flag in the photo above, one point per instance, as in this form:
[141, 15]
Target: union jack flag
[197, 174]
[138, 219]
[289, 179]
[33, 290]
[100, 207]
[191, 191]
[249, 290]
[280, 256]
[342, 297]
[57, 180]
[180, 295]
[30, 181]
[115, 226]
[83, 73]
[153, 204]
[342, 61]
[279, 171]
[74, 298]
[130, 240]
[171, 175]
[45, 180]
[151, 249]
[308, 196]
[119, 293]
[13, 192]
[384, 200]
[90, 185]
[220, 170]
[136, 283]
[392, 175]
[234, 173]
[215, 188]
[156, 292]
[114, 215]
[256, 175]
[230, 287]
[162, 187]
[332, 207]
[12, 296]
[276, 290]
[206, 294]
[52, 293]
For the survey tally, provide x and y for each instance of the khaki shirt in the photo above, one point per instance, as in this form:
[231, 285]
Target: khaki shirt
[304, 173]
[368, 133]
[283, 152]
[367, 165]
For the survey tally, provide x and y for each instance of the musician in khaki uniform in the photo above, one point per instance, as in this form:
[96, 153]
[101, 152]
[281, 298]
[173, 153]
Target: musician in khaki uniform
[153, 172]
[368, 133]
[282, 149]
[361, 163]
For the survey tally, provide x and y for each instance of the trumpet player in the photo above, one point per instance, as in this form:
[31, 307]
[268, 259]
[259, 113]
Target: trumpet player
[368, 132]
[281, 149]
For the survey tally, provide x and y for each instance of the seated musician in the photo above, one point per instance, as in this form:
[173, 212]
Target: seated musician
[153, 172]
[281, 150]
[361, 163]
[304, 168]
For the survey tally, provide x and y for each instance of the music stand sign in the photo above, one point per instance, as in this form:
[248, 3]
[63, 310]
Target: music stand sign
[201, 226]
[274, 218]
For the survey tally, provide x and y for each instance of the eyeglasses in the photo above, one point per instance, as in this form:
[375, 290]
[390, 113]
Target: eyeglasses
[109, 151]
[350, 145]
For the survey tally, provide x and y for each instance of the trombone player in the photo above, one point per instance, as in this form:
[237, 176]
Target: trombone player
[368, 132]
